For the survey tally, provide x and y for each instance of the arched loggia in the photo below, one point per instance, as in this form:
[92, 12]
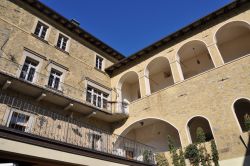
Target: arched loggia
[129, 88]
[158, 74]
[233, 40]
[194, 58]
[151, 132]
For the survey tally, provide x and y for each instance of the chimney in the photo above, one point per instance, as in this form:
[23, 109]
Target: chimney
[75, 22]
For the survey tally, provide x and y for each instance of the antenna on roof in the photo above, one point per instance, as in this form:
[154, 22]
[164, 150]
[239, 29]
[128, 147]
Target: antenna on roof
[75, 22]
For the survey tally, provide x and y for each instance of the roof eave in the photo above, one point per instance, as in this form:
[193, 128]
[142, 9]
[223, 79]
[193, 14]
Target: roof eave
[187, 29]
[92, 40]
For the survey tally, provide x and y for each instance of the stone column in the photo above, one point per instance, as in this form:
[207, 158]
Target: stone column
[142, 83]
[176, 71]
[147, 83]
[215, 54]
[184, 138]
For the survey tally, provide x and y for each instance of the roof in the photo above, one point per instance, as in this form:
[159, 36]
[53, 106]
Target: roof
[73, 27]
[172, 37]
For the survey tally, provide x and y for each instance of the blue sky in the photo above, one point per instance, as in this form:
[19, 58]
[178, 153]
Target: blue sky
[130, 25]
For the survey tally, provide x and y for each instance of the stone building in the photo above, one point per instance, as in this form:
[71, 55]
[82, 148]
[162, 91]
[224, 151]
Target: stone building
[68, 98]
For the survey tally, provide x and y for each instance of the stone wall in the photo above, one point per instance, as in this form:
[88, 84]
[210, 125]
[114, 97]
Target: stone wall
[17, 25]
[204, 95]
[210, 94]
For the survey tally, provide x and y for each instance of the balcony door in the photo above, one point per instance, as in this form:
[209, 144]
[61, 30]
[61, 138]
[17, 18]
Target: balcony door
[29, 70]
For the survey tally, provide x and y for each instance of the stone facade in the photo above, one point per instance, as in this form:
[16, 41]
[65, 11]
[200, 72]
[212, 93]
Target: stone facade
[17, 25]
[213, 102]
[210, 94]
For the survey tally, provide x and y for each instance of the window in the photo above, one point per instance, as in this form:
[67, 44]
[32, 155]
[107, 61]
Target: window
[54, 79]
[97, 97]
[99, 63]
[41, 30]
[19, 121]
[62, 42]
[29, 69]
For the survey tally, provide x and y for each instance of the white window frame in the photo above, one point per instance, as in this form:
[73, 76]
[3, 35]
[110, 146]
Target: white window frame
[67, 44]
[43, 22]
[30, 66]
[52, 66]
[98, 62]
[29, 125]
[98, 88]
[54, 78]
[99, 95]
[42, 28]
[28, 54]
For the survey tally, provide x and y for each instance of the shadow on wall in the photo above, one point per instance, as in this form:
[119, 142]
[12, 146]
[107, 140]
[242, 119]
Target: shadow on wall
[247, 155]
[242, 112]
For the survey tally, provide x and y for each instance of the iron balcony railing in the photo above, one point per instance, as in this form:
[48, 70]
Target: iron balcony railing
[24, 116]
[15, 70]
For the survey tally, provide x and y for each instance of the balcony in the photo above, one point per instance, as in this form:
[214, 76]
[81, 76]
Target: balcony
[22, 116]
[65, 95]
[121, 108]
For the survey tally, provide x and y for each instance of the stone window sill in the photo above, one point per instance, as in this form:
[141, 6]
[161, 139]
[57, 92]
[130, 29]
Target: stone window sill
[41, 39]
[103, 72]
[66, 52]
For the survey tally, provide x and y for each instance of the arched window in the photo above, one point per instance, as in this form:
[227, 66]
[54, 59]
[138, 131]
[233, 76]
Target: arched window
[201, 122]
[194, 58]
[159, 75]
[233, 40]
[242, 110]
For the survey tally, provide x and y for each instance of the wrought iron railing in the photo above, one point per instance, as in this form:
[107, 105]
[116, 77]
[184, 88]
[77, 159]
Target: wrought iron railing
[26, 117]
[14, 69]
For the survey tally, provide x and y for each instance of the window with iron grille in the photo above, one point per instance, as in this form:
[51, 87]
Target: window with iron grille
[19, 121]
[29, 69]
[41, 30]
[99, 63]
[54, 79]
[62, 42]
[97, 97]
